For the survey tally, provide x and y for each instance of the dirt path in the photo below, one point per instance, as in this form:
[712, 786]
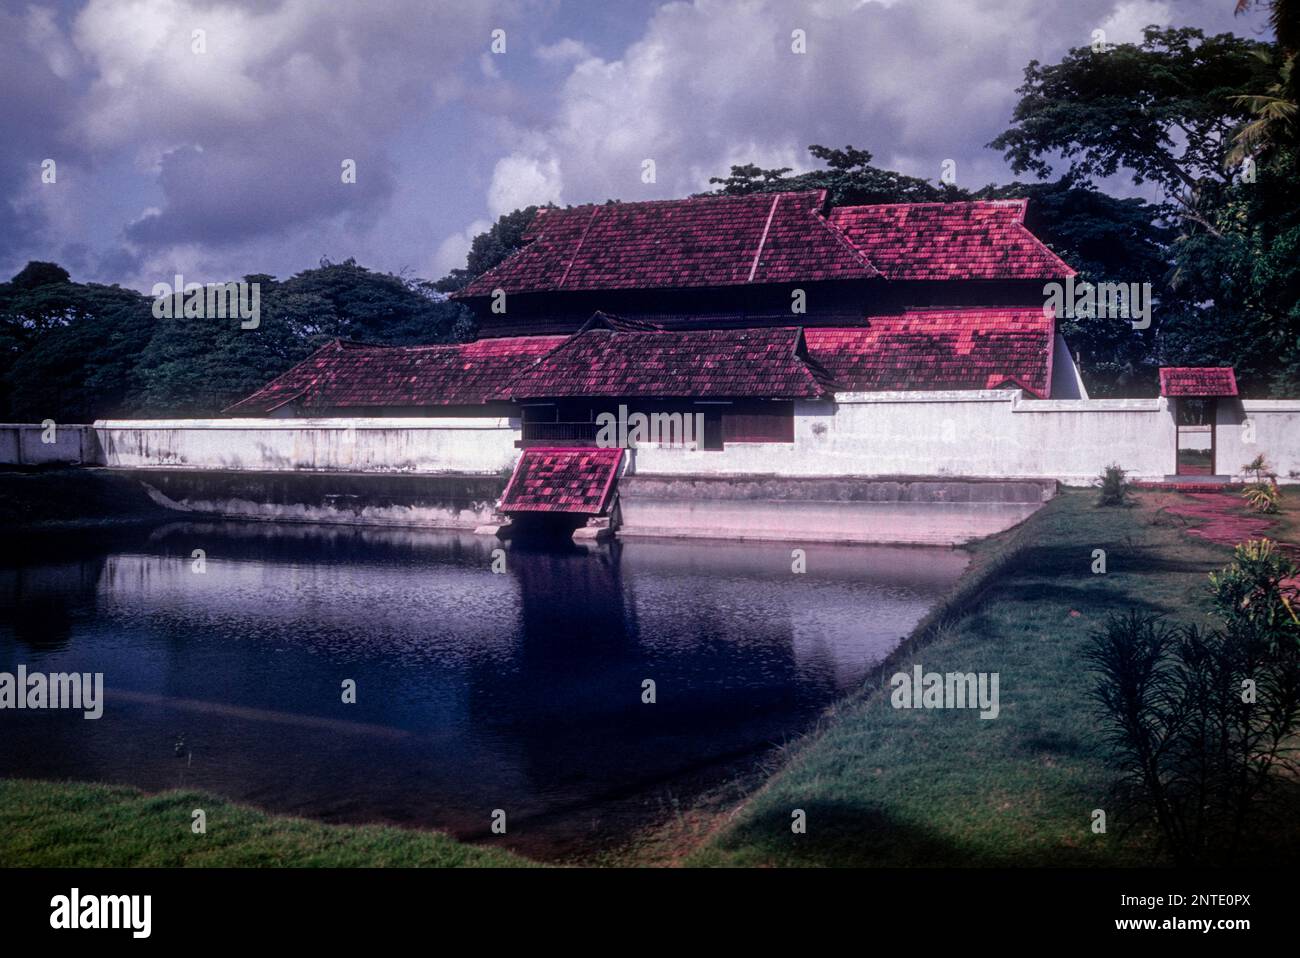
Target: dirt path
[1223, 518]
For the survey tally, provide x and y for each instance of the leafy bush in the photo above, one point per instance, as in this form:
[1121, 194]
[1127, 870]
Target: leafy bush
[1262, 494]
[1262, 497]
[1114, 487]
[1256, 593]
[1202, 722]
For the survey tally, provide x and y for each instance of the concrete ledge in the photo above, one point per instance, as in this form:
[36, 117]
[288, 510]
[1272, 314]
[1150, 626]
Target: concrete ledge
[908, 511]
[381, 499]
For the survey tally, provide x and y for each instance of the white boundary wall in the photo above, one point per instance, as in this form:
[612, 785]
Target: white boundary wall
[465, 446]
[994, 434]
[1244, 430]
[976, 434]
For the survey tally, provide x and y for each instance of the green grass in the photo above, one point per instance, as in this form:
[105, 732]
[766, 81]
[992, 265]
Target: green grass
[53, 824]
[882, 786]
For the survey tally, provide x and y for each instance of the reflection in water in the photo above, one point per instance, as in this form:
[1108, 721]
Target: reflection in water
[475, 691]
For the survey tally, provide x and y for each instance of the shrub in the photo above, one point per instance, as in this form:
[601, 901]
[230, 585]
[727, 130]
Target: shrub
[1114, 486]
[1201, 723]
[1261, 494]
[1256, 593]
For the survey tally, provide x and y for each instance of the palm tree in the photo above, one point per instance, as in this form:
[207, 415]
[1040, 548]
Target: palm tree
[1275, 110]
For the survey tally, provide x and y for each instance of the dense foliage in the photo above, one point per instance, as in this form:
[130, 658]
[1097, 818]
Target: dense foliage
[73, 352]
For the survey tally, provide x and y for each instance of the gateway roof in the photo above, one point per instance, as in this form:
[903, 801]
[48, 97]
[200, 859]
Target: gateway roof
[1198, 381]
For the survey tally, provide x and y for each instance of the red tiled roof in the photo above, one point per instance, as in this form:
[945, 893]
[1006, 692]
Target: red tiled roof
[768, 238]
[562, 480]
[696, 363]
[933, 349]
[343, 374]
[949, 241]
[1198, 381]
[924, 349]
[702, 241]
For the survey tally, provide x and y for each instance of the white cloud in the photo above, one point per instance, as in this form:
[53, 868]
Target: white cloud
[715, 82]
[520, 180]
[245, 112]
[566, 50]
[1126, 23]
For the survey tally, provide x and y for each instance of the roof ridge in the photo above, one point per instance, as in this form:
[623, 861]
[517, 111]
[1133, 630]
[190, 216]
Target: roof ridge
[839, 234]
[573, 258]
[753, 267]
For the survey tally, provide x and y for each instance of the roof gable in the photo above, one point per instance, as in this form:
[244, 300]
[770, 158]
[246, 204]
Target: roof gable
[562, 480]
[949, 241]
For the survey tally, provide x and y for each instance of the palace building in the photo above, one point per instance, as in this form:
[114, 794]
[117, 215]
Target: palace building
[827, 359]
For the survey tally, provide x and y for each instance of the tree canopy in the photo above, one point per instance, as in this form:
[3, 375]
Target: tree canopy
[76, 352]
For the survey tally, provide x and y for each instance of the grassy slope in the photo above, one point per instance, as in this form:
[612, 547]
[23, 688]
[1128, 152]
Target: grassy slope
[882, 786]
[50, 824]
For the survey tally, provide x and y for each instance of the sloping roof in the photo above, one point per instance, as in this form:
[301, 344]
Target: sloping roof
[935, 349]
[1198, 381]
[733, 363]
[702, 241]
[562, 480]
[768, 238]
[919, 350]
[949, 241]
[342, 374]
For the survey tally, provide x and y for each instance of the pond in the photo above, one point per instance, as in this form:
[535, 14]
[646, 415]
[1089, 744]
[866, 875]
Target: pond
[521, 689]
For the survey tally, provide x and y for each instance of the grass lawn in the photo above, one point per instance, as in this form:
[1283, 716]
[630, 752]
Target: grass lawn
[52, 824]
[1288, 519]
[885, 786]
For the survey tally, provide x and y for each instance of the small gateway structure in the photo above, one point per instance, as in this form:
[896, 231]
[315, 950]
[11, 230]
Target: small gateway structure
[858, 373]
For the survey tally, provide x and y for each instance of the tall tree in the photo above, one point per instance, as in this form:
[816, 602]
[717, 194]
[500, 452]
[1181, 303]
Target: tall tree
[1162, 110]
[68, 349]
[1106, 239]
[199, 366]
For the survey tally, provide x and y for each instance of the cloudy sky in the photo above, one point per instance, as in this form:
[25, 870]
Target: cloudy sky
[219, 153]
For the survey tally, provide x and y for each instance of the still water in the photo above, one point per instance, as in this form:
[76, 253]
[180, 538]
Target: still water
[475, 690]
